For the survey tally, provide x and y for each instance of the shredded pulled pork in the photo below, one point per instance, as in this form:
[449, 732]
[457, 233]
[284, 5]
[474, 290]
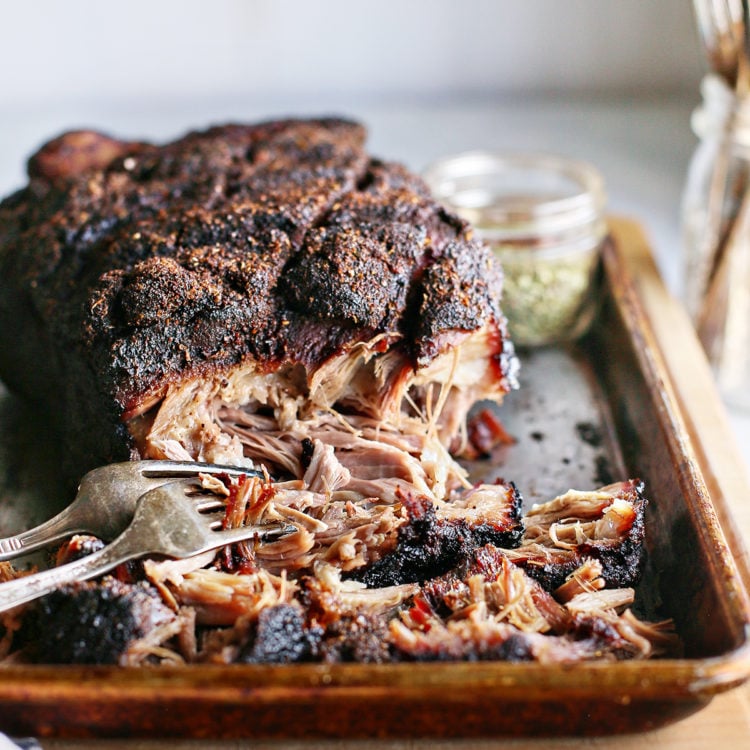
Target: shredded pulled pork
[363, 579]
[395, 556]
[365, 420]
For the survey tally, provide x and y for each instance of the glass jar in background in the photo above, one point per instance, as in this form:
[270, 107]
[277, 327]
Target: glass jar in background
[543, 217]
[716, 236]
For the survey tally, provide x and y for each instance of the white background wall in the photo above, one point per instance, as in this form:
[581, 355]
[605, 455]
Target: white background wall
[64, 50]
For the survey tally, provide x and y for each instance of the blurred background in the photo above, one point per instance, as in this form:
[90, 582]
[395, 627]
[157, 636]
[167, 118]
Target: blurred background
[340, 52]
[611, 81]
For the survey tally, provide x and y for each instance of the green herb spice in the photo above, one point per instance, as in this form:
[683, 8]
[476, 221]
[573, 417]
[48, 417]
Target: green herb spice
[546, 298]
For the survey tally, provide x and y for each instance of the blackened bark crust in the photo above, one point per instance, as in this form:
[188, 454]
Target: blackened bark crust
[125, 267]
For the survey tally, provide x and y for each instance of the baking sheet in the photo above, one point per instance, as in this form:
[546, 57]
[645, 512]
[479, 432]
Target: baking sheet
[562, 431]
[603, 410]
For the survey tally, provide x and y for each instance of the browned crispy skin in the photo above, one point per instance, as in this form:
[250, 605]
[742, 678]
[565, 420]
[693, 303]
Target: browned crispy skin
[125, 267]
[92, 622]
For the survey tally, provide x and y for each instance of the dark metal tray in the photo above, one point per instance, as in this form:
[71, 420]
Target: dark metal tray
[608, 408]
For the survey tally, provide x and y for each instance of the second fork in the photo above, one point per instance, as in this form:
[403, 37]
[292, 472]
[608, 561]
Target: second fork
[167, 521]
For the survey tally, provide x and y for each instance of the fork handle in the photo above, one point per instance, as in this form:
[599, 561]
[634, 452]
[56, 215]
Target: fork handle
[127, 546]
[30, 587]
[65, 523]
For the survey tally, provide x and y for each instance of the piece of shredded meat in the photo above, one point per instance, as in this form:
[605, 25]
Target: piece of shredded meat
[372, 581]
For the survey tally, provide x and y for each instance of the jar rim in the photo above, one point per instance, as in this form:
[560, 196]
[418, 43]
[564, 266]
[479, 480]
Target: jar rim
[582, 202]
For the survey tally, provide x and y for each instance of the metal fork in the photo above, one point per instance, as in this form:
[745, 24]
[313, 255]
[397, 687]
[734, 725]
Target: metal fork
[721, 24]
[168, 521]
[105, 502]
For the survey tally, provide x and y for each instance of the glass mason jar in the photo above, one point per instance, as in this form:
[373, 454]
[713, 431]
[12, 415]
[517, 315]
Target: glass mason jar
[543, 217]
[716, 236]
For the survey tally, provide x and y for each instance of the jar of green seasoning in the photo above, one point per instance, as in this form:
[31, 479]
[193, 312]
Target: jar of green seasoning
[543, 216]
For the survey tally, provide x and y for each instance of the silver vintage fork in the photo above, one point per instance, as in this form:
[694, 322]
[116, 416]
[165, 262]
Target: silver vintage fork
[105, 502]
[168, 520]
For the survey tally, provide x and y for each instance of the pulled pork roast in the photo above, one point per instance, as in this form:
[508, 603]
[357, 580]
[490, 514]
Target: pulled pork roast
[237, 292]
[272, 297]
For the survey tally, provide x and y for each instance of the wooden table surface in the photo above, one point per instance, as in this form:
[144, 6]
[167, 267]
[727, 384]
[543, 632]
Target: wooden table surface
[725, 722]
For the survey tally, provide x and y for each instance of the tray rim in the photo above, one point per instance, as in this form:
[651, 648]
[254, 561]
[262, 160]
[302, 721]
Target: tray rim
[652, 314]
[686, 679]
[696, 399]
[689, 677]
